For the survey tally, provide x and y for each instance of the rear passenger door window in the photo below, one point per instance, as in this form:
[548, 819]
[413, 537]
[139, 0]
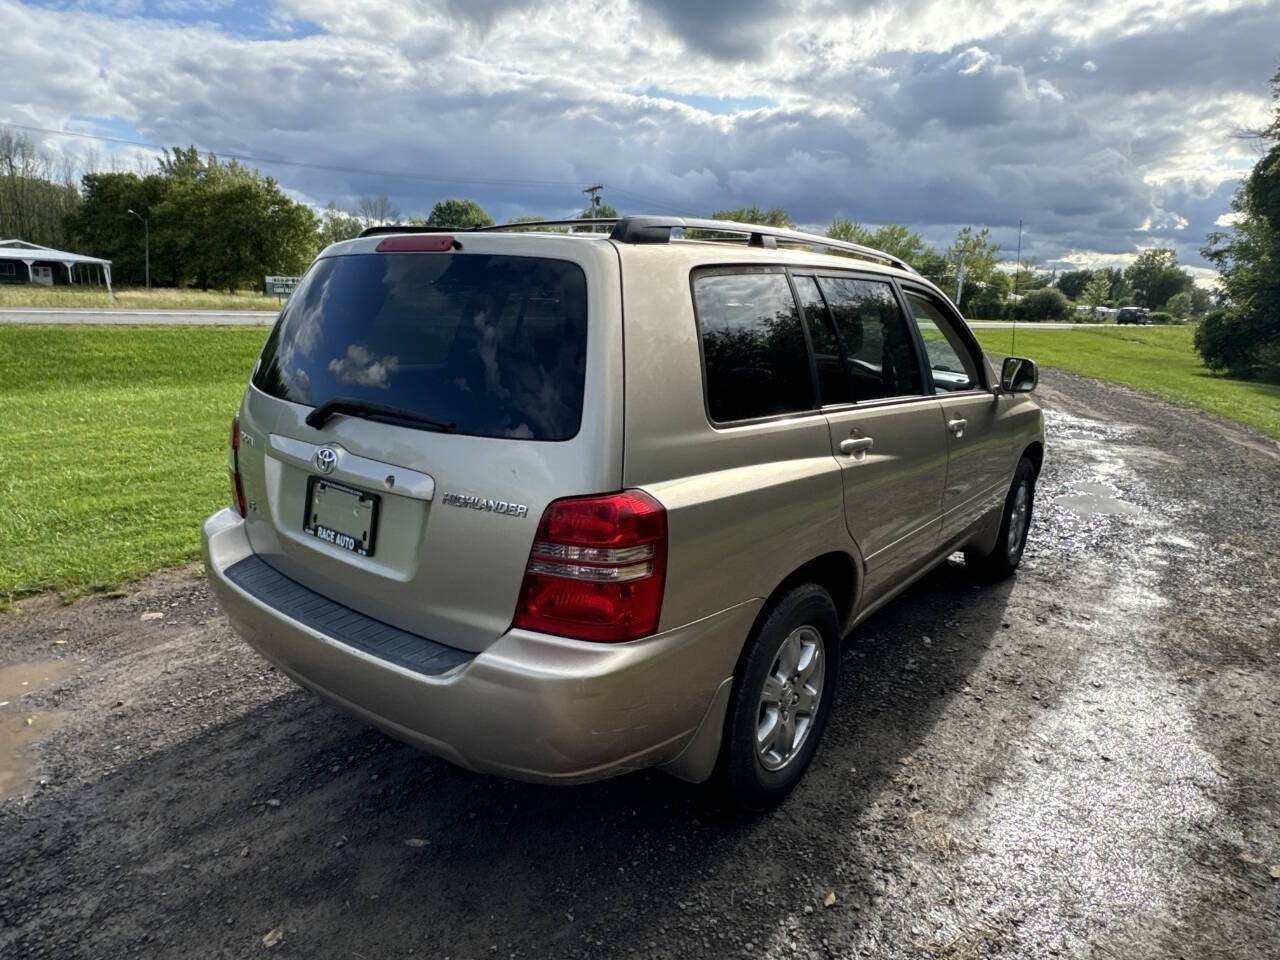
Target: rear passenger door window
[879, 350]
[753, 347]
[952, 366]
[828, 357]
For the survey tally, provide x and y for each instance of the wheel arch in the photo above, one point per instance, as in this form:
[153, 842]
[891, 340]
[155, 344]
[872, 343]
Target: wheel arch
[1034, 452]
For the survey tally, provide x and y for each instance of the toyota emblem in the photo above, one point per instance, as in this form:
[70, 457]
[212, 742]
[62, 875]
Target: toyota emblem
[326, 458]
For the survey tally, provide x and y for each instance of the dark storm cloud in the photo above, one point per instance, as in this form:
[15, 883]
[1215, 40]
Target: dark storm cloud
[933, 114]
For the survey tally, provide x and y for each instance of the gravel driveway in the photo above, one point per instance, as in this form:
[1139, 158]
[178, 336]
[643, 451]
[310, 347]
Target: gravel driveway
[1083, 762]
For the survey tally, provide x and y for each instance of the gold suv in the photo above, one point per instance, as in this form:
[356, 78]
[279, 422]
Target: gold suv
[560, 505]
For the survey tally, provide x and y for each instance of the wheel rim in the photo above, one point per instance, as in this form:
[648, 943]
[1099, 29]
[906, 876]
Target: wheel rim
[1019, 518]
[790, 697]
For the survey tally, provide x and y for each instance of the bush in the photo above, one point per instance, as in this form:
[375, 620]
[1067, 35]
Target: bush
[1160, 316]
[1047, 304]
[1230, 346]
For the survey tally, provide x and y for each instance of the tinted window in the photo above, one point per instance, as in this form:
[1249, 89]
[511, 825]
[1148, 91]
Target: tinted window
[951, 364]
[877, 342]
[752, 346]
[495, 344]
[832, 381]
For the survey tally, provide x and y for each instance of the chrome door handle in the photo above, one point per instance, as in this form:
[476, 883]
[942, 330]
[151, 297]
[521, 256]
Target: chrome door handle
[856, 446]
[957, 427]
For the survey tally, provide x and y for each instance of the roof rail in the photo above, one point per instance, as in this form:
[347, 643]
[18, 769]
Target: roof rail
[658, 230]
[482, 228]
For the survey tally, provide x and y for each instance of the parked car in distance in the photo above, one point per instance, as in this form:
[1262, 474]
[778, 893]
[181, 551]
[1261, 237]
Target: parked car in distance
[1133, 315]
[559, 506]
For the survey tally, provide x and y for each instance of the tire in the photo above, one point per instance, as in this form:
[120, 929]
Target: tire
[756, 770]
[1000, 563]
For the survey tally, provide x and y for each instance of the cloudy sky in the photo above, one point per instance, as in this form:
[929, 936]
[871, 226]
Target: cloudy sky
[1105, 125]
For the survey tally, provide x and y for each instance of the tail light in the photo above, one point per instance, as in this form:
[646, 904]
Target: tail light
[597, 569]
[237, 485]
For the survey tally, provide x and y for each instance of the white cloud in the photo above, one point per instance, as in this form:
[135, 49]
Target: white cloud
[1086, 120]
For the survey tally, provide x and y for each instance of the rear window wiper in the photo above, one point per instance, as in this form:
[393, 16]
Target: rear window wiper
[318, 417]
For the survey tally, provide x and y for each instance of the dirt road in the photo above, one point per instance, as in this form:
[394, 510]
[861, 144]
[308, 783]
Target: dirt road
[1084, 762]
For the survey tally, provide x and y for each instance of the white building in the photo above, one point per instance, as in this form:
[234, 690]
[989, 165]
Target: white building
[23, 262]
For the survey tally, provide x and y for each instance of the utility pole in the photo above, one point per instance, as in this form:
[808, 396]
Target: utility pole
[1017, 268]
[593, 192]
[147, 234]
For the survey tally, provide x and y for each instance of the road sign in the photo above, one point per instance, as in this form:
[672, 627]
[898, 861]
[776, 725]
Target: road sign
[279, 286]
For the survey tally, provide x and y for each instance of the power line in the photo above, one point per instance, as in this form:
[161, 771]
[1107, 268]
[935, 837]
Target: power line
[337, 168]
[328, 167]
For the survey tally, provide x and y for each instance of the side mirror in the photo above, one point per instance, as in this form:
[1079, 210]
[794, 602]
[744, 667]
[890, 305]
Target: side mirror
[1019, 375]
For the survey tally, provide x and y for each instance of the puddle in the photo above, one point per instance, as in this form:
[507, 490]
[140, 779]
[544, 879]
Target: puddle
[1094, 498]
[21, 723]
[19, 679]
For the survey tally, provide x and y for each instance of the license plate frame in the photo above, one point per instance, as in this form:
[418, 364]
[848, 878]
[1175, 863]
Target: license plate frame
[334, 528]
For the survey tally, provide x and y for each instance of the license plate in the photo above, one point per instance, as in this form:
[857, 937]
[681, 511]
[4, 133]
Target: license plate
[342, 516]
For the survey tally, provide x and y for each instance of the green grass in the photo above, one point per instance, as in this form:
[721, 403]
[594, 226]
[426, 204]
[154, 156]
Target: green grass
[157, 298]
[1156, 360]
[114, 449]
[116, 438]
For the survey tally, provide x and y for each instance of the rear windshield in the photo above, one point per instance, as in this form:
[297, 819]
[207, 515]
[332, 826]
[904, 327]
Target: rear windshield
[494, 344]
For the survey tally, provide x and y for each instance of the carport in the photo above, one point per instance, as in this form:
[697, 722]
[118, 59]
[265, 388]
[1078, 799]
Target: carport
[24, 262]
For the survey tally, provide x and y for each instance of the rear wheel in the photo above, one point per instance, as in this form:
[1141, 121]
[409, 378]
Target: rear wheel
[1014, 524]
[782, 696]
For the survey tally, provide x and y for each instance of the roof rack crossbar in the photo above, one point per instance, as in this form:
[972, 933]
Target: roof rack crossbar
[658, 230]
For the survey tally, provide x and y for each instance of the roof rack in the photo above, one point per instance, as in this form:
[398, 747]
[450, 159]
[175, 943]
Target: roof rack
[658, 230]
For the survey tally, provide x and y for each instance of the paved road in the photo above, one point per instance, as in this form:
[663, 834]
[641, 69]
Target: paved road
[1082, 762]
[214, 318]
[235, 318]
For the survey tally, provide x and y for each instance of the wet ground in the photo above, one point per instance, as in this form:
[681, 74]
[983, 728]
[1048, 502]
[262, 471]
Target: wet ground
[1082, 762]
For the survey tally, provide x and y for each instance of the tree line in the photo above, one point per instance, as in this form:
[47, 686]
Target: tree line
[1242, 338]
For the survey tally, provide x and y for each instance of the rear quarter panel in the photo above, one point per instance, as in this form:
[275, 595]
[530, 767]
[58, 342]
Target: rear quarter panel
[746, 505]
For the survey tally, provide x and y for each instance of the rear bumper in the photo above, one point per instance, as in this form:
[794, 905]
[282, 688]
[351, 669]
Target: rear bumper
[530, 706]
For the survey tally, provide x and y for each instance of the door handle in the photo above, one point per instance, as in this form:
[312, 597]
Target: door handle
[957, 427]
[856, 446]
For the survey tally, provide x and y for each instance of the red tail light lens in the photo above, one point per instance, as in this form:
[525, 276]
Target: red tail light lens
[597, 569]
[237, 485]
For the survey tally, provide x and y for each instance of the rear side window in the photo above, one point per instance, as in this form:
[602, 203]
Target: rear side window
[878, 347]
[753, 348]
[495, 344]
[833, 383]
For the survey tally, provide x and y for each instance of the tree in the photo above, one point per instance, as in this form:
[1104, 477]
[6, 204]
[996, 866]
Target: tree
[775, 217]
[458, 213]
[36, 195]
[1243, 338]
[1047, 303]
[1155, 277]
[1180, 305]
[336, 224]
[1119, 293]
[212, 223]
[1073, 283]
[1096, 290]
[978, 255]
[893, 238]
[378, 210]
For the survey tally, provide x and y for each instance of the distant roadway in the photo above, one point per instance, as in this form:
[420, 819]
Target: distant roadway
[249, 318]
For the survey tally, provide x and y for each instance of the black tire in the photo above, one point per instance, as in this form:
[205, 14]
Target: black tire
[1000, 563]
[806, 616]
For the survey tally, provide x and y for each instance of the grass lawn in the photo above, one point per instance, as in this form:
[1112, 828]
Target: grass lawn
[1156, 360]
[116, 442]
[115, 449]
[156, 298]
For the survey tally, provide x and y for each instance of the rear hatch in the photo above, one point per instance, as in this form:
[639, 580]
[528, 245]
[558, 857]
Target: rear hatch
[453, 390]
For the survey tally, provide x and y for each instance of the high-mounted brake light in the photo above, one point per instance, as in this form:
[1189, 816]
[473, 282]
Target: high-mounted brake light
[597, 568]
[237, 485]
[417, 243]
